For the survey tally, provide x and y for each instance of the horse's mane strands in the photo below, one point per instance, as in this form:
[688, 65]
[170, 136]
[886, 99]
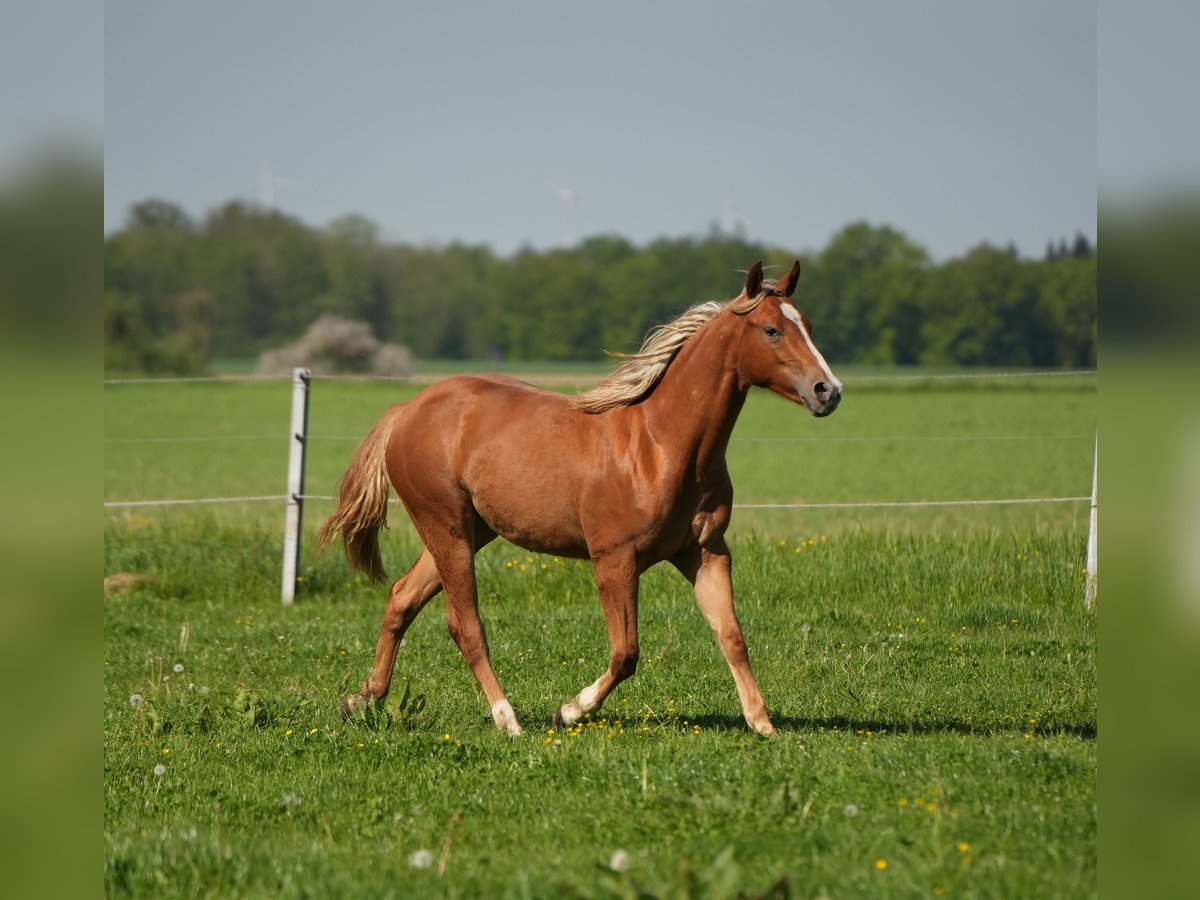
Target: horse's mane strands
[639, 372]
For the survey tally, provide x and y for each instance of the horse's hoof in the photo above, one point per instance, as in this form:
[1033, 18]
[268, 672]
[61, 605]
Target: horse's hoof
[349, 704]
[558, 719]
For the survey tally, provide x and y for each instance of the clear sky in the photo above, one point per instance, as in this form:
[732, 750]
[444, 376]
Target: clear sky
[543, 122]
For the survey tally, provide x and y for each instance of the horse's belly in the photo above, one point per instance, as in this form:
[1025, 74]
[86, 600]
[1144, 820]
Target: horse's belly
[534, 519]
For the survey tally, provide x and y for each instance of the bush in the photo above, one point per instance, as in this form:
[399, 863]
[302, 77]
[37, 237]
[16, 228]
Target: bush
[333, 345]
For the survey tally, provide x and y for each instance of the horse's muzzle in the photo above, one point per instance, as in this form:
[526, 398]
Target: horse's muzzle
[825, 398]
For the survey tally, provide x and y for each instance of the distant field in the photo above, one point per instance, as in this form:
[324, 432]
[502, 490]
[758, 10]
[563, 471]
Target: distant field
[932, 673]
[889, 442]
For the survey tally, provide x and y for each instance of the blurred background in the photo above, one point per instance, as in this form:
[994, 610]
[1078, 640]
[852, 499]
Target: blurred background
[514, 186]
[506, 186]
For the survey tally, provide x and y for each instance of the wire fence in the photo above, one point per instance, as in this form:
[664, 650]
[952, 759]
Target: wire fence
[567, 378]
[299, 439]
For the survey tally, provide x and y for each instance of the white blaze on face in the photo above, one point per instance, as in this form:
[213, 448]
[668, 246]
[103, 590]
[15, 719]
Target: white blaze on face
[794, 314]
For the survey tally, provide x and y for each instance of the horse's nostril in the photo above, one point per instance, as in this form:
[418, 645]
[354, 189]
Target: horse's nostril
[821, 389]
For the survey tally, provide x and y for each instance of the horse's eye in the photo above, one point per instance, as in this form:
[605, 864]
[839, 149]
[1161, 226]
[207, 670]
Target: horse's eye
[770, 331]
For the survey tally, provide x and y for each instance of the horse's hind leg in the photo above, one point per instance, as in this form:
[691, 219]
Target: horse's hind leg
[406, 599]
[456, 561]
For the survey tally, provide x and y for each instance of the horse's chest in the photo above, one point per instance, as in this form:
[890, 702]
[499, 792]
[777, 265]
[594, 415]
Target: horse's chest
[700, 515]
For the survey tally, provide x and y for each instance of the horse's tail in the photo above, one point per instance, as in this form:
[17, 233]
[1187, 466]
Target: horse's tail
[363, 498]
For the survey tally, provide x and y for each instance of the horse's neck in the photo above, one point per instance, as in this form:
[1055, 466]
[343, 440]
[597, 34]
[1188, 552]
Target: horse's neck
[698, 399]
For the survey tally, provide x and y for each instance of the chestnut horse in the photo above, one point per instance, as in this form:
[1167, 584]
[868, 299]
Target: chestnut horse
[628, 474]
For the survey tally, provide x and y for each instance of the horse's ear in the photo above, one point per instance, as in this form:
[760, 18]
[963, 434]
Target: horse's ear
[754, 281]
[787, 284]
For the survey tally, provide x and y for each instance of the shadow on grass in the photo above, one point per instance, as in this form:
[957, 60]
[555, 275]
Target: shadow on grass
[931, 726]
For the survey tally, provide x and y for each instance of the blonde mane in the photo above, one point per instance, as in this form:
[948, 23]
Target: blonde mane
[639, 372]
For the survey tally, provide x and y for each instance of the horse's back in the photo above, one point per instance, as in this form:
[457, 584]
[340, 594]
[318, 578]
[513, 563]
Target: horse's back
[513, 451]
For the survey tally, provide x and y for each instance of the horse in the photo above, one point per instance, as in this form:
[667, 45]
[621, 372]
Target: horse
[628, 474]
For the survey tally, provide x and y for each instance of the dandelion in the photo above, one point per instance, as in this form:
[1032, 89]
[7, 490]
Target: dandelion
[881, 864]
[136, 700]
[291, 801]
[850, 810]
[177, 668]
[160, 770]
[963, 846]
[421, 859]
[619, 862]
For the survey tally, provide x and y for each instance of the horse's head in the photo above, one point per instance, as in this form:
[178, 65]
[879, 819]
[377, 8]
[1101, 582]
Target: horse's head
[777, 350]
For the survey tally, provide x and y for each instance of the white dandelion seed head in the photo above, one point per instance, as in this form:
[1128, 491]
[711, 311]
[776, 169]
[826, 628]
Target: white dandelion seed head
[291, 800]
[136, 700]
[805, 629]
[850, 810]
[160, 770]
[421, 859]
[177, 668]
[619, 862]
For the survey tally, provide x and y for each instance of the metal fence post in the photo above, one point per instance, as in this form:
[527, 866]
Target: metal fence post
[1089, 591]
[295, 489]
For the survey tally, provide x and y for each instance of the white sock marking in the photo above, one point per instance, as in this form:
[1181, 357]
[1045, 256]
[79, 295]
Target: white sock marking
[506, 719]
[587, 697]
[570, 713]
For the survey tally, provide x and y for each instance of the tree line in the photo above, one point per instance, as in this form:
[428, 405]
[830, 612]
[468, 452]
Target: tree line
[180, 293]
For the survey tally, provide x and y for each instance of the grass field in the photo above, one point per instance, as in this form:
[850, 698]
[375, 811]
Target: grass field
[932, 673]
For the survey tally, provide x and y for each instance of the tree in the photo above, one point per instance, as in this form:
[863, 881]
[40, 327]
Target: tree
[864, 295]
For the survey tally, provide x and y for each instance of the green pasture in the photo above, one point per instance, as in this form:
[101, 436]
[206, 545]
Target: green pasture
[932, 673]
[891, 441]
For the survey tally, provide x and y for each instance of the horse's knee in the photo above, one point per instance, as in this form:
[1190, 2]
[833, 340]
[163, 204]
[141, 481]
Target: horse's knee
[624, 662]
[471, 640]
[733, 643]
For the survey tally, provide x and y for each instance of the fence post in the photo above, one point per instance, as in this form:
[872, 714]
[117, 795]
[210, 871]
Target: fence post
[295, 488]
[1089, 591]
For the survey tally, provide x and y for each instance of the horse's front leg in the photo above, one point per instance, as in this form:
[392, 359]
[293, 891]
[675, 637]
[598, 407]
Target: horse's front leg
[709, 569]
[617, 581]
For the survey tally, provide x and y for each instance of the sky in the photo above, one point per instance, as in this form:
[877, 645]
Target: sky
[541, 123]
